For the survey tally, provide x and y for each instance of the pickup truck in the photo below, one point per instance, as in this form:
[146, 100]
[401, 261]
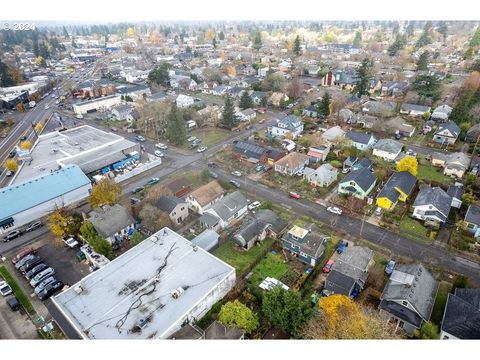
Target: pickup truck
[341, 247]
[71, 242]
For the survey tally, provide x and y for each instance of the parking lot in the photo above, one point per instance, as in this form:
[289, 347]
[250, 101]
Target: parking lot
[15, 324]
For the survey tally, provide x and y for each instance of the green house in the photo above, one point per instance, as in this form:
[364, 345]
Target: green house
[358, 183]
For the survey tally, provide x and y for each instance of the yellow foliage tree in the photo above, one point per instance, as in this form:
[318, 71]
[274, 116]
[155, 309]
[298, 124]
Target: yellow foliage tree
[58, 223]
[231, 71]
[38, 60]
[408, 163]
[209, 34]
[130, 32]
[11, 165]
[105, 192]
[26, 145]
[38, 128]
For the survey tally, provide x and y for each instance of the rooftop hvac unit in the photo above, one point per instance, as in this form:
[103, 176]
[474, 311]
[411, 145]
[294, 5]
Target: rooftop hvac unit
[142, 322]
[177, 292]
[78, 289]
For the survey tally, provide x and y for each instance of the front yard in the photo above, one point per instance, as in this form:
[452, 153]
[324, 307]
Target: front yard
[414, 229]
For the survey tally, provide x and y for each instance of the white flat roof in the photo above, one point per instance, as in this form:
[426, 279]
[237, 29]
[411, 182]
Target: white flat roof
[116, 297]
[80, 146]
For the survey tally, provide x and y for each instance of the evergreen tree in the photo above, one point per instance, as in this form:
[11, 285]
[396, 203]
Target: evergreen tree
[410, 29]
[443, 29]
[475, 40]
[229, 119]
[246, 101]
[358, 39]
[221, 36]
[256, 38]
[264, 102]
[398, 44]
[214, 42]
[296, 46]
[176, 131]
[427, 86]
[425, 38]
[324, 105]
[364, 75]
[422, 63]
[159, 75]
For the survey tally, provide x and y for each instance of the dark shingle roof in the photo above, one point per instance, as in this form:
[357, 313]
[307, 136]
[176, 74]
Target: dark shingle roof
[402, 180]
[339, 283]
[456, 191]
[462, 314]
[473, 214]
[362, 177]
[249, 150]
[436, 197]
[358, 137]
[450, 126]
[168, 203]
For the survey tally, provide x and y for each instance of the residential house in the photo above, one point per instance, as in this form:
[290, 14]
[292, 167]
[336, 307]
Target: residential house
[306, 244]
[387, 149]
[272, 155]
[456, 164]
[380, 108]
[310, 111]
[207, 86]
[257, 97]
[184, 101]
[346, 79]
[333, 134]
[246, 115]
[290, 125]
[447, 133]
[363, 164]
[220, 90]
[456, 192]
[473, 134]
[441, 113]
[409, 296]
[399, 187]
[359, 183]
[175, 208]
[349, 162]
[414, 109]
[438, 158]
[263, 72]
[113, 223]
[328, 79]
[319, 153]
[395, 88]
[350, 271]
[291, 163]
[276, 98]
[179, 187]
[472, 220]
[406, 130]
[361, 141]
[461, 317]
[249, 151]
[432, 205]
[204, 197]
[313, 70]
[228, 210]
[323, 176]
[123, 112]
[256, 227]
[346, 115]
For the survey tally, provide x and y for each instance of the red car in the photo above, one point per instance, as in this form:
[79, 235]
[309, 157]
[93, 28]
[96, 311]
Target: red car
[328, 266]
[22, 254]
[294, 195]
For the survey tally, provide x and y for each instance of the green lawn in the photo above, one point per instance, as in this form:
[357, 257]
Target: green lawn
[17, 290]
[440, 302]
[430, 172]
[413, 228]
[209, 137]
[272, 265]
[239, 259]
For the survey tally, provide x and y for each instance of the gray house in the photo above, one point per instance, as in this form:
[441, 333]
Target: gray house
[432, 205]
[323, 176]
[113, 223]
[305, 244]
[409, 296]
[461, 318]
[447, 133]
[228, 210]
[174, 207]
[256, 227]
[350, 271]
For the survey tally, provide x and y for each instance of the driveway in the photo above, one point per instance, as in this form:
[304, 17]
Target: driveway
[15, 324]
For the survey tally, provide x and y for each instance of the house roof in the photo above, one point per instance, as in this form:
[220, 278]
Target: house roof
[402, 180]
[473, 214]
[364, 178]
[209, 219]
[249, 149]
[292, 160]
[339, 283]
[108, 220]
[451, 127]
[169, 203]
[456, 191]
[207, 193]
[256, 223]
[412, 283]
[458, 159]
[415, 107]
[207, 239]
[317, 152]
[217, 331]
[462, 314]
[309, 240]
[290, 122]
[359, 137]
[388, 145]
[229, 205]
[363, 164]
[436, 198]
[333, 133]
[178, 184]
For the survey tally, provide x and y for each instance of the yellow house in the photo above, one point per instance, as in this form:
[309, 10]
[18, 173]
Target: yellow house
[398, 187]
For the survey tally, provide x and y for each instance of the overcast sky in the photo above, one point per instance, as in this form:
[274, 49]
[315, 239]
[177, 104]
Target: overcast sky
[150, 10]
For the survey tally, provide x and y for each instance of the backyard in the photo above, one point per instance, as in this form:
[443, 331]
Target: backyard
[273, 265]
[441, 300]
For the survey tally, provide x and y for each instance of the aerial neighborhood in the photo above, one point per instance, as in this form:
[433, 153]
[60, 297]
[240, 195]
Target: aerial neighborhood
[234, 180]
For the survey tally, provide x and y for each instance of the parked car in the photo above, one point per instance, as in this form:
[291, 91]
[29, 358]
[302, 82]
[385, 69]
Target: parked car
[137, 189]
[334, 210]
[212, 164]
[44, 283]
[9, 173]
[79, 116]
[345, 170]
[13, 303]
[153, 181]
[50, 289]
[191, 138]
[29, 265]
[328, 266]
[32, 273]
[134, 200]
[294, 195]
[33, 226]
[5, 289]
[259, 168]
[12, 235]
[378, 211]
[24, 252]
[254, 205]
[41, 275]
[159, 154]
[161, 146]
[475, 169]
[236, 173]
[235, 183]
[390, 266]
[23, 260]
[140, 138]
[201, 149]
[12, 154]
[71, 242]
[213, 174]
[341, 247]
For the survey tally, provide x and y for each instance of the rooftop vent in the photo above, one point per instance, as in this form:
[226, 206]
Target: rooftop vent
[142, 322]
[79, 289]
[177, 292]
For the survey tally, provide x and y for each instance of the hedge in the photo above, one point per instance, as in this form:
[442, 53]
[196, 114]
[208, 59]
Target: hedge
[17, 290]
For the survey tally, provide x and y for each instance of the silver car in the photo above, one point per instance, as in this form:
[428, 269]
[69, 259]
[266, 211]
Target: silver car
[41, 275]
[22, 261]
[43, 283]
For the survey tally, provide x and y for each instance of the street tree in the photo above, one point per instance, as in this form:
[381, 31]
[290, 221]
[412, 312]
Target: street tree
[104, 192]
[246, 101]
[229, 118]
[26, 145]
[364, 75]
[324, 105]
[176, 131]
[236, 314]
[357, 40]
[296, 46]
[38, 128]
[11, 164]
[408, 163]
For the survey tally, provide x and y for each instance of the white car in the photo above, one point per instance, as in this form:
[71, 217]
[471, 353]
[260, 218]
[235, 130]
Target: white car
[71, 242]
[47, 107]
[334, 210]
[191, 138]
[201, 149]
[161, 146]
[79, 116]
[37, 279]
[159, 154]
[5, 289]
[236, 173]
[254, 205]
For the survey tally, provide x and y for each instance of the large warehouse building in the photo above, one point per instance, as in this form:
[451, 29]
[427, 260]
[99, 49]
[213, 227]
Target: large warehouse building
[146, 293]
[30, 200]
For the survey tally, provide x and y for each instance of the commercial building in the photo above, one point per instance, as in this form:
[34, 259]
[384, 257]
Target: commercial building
[149, 292]
[99, 104]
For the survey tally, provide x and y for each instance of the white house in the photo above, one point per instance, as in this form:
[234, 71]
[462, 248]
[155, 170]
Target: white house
[387, 149]
[204, 197]
[184, 101]
[228, 210]
[99, 104]
[246, 115]
[288, 125]
[323, 176]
